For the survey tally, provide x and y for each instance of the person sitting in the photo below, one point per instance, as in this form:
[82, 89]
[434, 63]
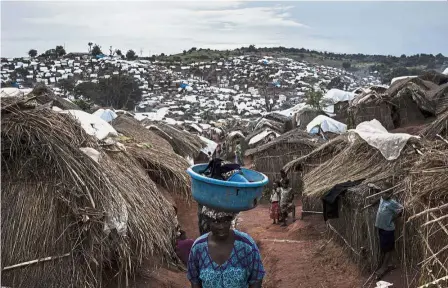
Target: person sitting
[183, 247]
[274, 211]
[224, 257]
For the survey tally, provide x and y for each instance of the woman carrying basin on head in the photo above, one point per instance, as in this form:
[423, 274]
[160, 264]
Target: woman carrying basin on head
[224, 257]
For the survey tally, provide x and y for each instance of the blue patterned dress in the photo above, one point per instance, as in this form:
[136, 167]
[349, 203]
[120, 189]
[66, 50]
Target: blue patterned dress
[243, 268]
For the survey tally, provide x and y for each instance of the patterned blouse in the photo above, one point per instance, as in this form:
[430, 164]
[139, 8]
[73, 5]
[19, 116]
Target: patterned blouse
[244, 267]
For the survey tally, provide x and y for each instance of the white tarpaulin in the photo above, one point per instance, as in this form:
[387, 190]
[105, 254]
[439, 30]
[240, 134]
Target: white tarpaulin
[327, 124]
[445, 71]
[335, 95]
[389, 144]
[401, 78]
[257, 138]
[211, 145]
[92, 124]
[105, 114]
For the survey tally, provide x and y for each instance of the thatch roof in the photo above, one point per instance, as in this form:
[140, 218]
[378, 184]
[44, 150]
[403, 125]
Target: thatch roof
[437, 127]
[57, 202]
[435, 77]
[356, 162]
[277, 117]
[183, 142]
[155, 155]
[132, 128]
[440, 98]
[296, 137]
[400, 84]
[45, 95]
[319, 155]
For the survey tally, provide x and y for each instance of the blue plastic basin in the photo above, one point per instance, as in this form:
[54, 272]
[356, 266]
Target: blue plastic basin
[227, 195]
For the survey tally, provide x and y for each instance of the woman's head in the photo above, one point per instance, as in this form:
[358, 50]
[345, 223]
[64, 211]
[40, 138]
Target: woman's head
[220, 222]
[275, 185]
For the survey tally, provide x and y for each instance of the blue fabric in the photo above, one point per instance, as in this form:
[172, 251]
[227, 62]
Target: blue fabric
[387, 210]
[244, 267]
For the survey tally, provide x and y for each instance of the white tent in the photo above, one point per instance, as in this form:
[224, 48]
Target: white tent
[105, 114]
[327, 124]
[92, 124]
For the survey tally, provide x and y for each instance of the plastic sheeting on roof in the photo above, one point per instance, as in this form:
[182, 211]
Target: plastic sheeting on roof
[335, 95]
[257, 138]
[105, 114]
[293, 110]
[92, 124]
[401, 78]
[389, 144]
[235, 133]
[14, 92]
[445, 71]
[196, 127]
[211, 145]
[327, 124]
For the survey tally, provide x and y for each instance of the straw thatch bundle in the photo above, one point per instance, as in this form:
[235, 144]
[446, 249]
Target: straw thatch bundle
[155, 155]
[45, 95]
[358, 160]
[440, 98]
[316, 157]
[437, 127]
[435, 77]
[370, 106]
[58, 202]
[132, 128]
[426, 202]
[183, 143]
[165, 168]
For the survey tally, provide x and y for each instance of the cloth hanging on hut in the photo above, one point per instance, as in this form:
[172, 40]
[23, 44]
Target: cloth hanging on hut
[330, 200]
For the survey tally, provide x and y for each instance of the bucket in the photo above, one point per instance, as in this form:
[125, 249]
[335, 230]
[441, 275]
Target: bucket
[240, 193]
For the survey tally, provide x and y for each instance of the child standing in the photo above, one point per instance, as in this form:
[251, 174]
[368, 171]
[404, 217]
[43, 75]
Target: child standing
[275, 199]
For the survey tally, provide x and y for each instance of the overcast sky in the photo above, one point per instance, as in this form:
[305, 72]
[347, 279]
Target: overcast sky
[170, 27]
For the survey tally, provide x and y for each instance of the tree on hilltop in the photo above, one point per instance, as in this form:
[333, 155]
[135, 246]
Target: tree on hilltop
[118, 52]
[90, 46]
[60, 51]
[96, 50]
[32, 53]
[130, 55]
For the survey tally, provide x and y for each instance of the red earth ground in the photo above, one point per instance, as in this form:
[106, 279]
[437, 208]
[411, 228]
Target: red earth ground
[300, 255]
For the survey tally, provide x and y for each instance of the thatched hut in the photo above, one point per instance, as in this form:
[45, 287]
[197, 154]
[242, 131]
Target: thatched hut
[272, 156]
[369, 106]
[419, 179]
[183, 143]
[155, 155]
[440, 98]
[71, 211]
[411, 104]
[44, 95]
[286, 121]
[305, 116]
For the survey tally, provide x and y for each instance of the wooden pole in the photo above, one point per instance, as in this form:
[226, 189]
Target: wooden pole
[35, 261]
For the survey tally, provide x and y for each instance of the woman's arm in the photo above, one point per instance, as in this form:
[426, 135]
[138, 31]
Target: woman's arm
[195, 285]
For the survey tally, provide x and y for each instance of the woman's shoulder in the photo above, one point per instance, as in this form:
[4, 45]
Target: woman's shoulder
[245, 239]
[201, 240]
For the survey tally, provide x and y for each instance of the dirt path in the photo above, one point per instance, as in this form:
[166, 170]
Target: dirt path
[299, 255]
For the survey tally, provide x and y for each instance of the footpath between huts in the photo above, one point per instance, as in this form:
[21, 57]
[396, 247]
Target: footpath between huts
[300, 255]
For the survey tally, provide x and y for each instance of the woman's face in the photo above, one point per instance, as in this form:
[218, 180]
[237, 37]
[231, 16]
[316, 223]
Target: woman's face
[221, 227]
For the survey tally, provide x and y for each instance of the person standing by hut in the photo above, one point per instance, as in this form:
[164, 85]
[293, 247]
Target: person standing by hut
[225, 257]
[388, 211]
[274, 210]
[238, 154]
[286, 199]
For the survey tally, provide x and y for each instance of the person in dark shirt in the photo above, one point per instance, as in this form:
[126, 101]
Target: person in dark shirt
[183, 247]
[286, 199]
